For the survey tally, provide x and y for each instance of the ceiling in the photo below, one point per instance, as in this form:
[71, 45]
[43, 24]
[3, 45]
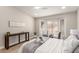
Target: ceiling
[46, 10]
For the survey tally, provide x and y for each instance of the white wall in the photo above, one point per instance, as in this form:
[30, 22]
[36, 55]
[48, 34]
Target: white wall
[11, 13]
[78, 19]
[70, 21]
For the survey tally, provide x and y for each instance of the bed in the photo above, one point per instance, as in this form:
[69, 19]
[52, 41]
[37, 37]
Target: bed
[51, 45]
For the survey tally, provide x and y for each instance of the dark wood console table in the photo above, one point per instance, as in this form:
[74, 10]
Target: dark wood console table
[8, 35]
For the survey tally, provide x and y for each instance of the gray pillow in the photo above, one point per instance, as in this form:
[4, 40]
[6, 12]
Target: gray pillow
[70, 44]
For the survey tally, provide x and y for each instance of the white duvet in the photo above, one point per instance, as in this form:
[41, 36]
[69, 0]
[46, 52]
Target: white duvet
[51, 46]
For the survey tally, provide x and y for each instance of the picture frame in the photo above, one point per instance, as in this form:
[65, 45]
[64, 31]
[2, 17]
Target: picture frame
[16, 24]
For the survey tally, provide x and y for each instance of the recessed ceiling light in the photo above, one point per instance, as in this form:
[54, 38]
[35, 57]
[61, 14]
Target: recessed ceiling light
[37, 7]
[63, 7]
[35, 14]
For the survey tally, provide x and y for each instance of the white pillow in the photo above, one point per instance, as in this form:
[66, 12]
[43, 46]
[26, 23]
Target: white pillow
[38, 40]
[74, 32]
[70, 44]
[45, 38]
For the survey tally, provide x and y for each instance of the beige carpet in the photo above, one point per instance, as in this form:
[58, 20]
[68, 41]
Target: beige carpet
[13, 49]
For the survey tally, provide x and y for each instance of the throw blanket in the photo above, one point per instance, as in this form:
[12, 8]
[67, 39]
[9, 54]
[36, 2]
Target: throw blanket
[30, 47]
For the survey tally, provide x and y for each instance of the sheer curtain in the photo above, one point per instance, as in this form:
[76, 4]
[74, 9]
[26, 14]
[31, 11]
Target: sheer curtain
[51, 27]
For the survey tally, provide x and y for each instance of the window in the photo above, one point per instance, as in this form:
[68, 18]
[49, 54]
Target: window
[53, 27]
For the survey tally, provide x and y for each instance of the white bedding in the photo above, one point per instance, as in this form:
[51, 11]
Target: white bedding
[52, 45]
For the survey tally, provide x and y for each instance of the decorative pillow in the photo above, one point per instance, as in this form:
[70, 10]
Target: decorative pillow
[74, 32]
[39, 40]
[45, 38]
[70, 44]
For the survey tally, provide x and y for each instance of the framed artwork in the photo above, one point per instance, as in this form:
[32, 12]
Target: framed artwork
[16, 24]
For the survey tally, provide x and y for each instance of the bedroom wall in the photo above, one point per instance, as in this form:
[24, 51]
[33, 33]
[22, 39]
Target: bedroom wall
[78, 19]
[11, 13]
[70, 21]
